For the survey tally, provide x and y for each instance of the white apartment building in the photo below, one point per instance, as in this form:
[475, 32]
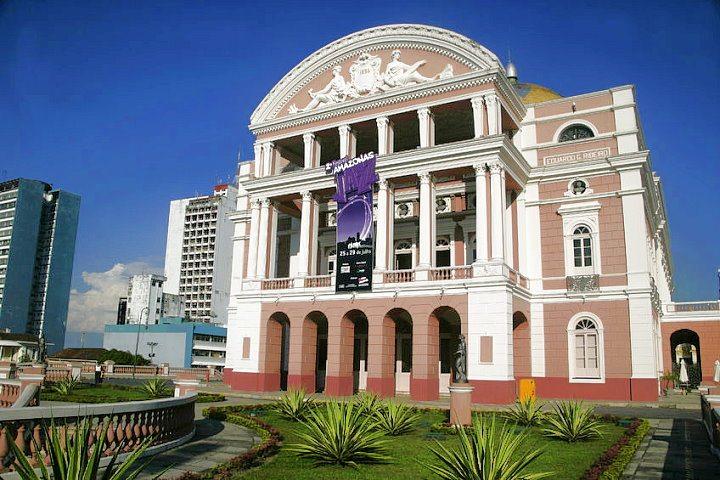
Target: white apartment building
[145, 299]
[199, 232]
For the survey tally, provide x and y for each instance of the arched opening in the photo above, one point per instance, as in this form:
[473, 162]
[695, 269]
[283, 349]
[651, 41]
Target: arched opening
[321, 348]
[403, 348]
[360, 348]
[450, 327]
[521, 346]
[685, 344]
[277, 350]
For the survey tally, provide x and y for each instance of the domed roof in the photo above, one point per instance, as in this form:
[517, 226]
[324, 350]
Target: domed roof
[534, 93]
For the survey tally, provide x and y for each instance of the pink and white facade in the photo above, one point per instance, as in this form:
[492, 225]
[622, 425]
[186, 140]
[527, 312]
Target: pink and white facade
[531, 223]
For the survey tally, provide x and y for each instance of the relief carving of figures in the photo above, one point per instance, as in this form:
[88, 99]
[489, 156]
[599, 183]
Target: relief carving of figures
[366, 79]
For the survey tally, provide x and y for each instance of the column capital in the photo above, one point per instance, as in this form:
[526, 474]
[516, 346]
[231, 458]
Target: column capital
[255, 203]
[268, 144]
[266, 202]
[480, 168]
[424, 112]
[425, 177]
[306, 195]
[382, 121]
[495, 167]
[490, 98]
[383, 183]
[344, 129]
[477, 102]
[308, 137]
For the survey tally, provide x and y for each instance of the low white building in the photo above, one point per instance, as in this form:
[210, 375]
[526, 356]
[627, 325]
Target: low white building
[198, 255]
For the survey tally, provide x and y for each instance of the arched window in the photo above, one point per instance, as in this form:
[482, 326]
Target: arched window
[582, 247]
[442, 252]
[575, 132]
[586, 344]
[403, 255]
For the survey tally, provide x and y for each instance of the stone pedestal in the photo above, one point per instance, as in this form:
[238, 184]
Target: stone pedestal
[460, 403]
[185, 383]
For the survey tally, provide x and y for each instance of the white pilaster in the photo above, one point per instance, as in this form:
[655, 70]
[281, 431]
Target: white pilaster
[426, 213]
[427, 127]
[497, 206]
[268, 150]
[537, 339]
[312, 151]
[532, 238]
[305, 234]
[262, 250]
[385, 135]
[508, 224]
[490, 315]
[347, 141]
[478, 106]
[253, 241]
[481, 243]
[381, 242]
[257, 167]
[494, 112]
[522, 241]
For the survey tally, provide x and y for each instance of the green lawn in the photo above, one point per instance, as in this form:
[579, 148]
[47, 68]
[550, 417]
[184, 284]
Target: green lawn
[103, 393]
[567, 460]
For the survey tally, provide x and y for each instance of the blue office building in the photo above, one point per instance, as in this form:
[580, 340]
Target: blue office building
[38, 226]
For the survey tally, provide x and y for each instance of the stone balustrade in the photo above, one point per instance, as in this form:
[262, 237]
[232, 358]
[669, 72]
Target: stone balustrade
[451, 273]
[399, 276]
[9, 392]
[277, 284]
[318, 281]
[168, 422]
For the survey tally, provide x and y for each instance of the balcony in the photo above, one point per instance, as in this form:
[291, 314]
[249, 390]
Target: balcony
[276, 284]
[318, 281]
[399, 276]
[451, 273]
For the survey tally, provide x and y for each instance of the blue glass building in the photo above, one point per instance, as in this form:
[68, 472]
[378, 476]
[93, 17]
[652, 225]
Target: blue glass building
[38, 226]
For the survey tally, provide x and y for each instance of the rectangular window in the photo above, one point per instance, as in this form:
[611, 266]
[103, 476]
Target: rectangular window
[586, 356]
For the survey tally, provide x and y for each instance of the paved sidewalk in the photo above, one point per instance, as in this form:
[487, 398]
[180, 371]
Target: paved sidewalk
[674, 449]
[215, 442]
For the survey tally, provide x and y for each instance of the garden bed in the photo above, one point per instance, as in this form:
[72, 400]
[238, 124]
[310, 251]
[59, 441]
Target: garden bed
[567, 460]
[110, 393]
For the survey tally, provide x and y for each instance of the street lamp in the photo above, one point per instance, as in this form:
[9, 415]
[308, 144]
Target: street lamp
[152, 346]
[137, 338]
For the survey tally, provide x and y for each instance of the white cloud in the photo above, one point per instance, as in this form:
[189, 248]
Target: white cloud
[91, 309]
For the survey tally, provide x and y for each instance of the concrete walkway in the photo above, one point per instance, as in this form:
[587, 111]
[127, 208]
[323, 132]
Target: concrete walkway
[674, 449]
[215, 442]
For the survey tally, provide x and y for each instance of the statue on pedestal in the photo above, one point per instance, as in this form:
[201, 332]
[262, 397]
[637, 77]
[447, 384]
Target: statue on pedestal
[460, 370]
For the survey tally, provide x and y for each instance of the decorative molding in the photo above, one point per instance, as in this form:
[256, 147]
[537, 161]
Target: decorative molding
[582, 283]
[420, 37]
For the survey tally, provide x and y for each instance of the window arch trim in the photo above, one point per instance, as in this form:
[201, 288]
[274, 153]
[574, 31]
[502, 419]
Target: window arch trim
[570, 123]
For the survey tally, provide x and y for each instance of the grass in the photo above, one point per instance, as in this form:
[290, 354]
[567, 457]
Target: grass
[103, 393]
[567, 460]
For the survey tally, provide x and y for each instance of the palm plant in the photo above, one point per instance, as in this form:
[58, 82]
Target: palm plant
[294, 404]
[340, 434]
[156, 388]
[76, 456]
[571, 421]
[488, 452]
[395, 418]
[66, 386]
[526, 412]
[369, 403]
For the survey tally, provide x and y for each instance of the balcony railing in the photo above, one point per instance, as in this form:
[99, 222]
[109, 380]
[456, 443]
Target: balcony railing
[451, 273]
[316, 281]
[694, 307]
[399, 276]
[277, 284]
[518, 278]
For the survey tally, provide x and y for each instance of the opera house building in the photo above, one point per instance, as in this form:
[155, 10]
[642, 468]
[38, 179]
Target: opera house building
[530, 224]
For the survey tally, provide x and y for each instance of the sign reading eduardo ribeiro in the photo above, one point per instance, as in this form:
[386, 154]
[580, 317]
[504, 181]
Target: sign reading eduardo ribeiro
[585, 155]
[354, 180]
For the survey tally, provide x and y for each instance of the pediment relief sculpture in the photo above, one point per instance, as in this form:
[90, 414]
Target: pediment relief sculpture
[367, 79]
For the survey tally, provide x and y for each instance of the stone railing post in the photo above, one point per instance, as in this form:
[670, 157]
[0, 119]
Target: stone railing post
[7, 369]
[186, 382]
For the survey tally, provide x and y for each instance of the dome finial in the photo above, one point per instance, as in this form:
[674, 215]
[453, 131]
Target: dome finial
[511, 70]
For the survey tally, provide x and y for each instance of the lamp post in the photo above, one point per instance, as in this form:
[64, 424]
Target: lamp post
[152, 346]
[137, 338]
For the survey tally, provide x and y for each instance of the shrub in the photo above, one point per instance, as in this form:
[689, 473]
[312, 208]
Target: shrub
[694, 374]
[526, 412]
[121, 357]
[570, 421]
[294, 404]
[367, 402]
[66, 386]
[395, 418]
[204, 397]
[488, 452]
[341, 434]
[156, 388]
[76, 456]
[612, 463]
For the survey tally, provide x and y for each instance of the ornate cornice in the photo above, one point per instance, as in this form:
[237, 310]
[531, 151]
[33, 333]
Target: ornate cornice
[420, 37]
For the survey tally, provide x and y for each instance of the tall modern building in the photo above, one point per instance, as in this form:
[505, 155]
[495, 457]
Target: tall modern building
[199, 233]
[38, 226]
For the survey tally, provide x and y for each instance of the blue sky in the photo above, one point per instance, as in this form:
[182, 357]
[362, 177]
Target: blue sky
[131, 104]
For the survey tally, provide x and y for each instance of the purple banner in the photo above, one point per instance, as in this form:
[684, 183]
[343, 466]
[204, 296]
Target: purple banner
[354, 180]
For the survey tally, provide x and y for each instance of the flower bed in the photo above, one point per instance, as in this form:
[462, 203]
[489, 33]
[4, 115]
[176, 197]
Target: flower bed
[612, 463]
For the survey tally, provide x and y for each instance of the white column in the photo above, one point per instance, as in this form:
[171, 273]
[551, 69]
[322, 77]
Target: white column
[268, 149]
[478, 106]
[426, 212]
[481, 244]
[257, 169]
[494, 111]
[262, 251]
[305, 234]
[312, 151]
[427, 127]
[253, 241]
[385, 135]
[522, 242]
[381, 242]
[347, 141]
[497, 206]
[508, 225]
